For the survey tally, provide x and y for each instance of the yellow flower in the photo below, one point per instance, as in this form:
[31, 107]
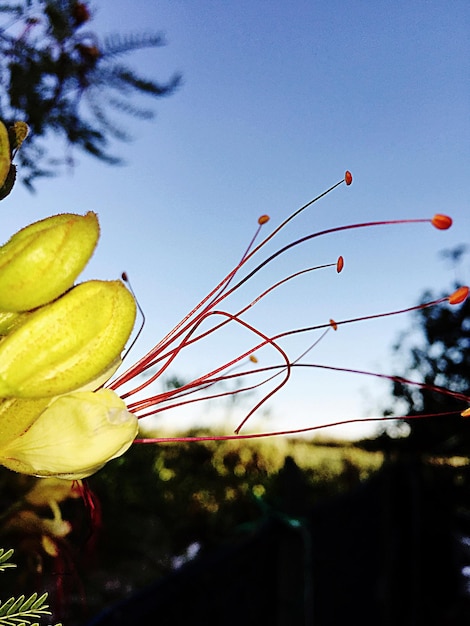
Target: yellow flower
[74, 437]
[57, 339]
[53, 358]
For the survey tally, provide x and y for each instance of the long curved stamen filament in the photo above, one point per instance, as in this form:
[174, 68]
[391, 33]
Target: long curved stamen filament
[202, 380]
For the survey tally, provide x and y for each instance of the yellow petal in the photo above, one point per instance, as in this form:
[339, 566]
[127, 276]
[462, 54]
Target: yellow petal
[42, 261]
[69, 343]
[74, 437]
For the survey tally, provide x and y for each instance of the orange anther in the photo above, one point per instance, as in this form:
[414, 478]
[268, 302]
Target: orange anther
[459, 296]
[443, 222]
[348, 177]
[465, 413]
[253, 359]
[263, 219]
[333, 325]
[339, 264]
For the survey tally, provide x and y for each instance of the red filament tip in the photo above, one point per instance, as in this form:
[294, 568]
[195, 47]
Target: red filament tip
[348, 177]
[442, 222]
[339, 264]
[263, 219]
[459, 296]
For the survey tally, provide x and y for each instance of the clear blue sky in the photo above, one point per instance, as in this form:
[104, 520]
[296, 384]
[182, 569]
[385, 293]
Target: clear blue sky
[278, 99]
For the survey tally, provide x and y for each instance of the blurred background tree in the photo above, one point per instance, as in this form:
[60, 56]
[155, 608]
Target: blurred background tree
[436, 349]
[63, 80]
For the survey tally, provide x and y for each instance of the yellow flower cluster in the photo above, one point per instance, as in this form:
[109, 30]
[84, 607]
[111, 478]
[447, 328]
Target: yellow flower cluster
[58, 344]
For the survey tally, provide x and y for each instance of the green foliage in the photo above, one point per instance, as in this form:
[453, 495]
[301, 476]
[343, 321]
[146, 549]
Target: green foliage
[21, 611]
[62, 79]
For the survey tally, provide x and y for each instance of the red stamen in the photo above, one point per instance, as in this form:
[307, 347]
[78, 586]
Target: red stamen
[189, 330]
[212, 299]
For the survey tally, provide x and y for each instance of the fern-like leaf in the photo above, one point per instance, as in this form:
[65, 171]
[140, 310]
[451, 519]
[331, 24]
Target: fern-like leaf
[22, 612]
[4, 557]
[116, 44]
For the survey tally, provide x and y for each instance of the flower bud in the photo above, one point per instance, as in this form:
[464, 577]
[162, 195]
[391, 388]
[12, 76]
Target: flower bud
[42, 261]
[65, 345]
[74, 437]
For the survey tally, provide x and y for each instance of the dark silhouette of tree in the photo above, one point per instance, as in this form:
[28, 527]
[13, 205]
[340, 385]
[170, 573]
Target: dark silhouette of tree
[60, 78]
[437, 347]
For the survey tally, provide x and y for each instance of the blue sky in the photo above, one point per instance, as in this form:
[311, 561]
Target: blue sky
[278, 100]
